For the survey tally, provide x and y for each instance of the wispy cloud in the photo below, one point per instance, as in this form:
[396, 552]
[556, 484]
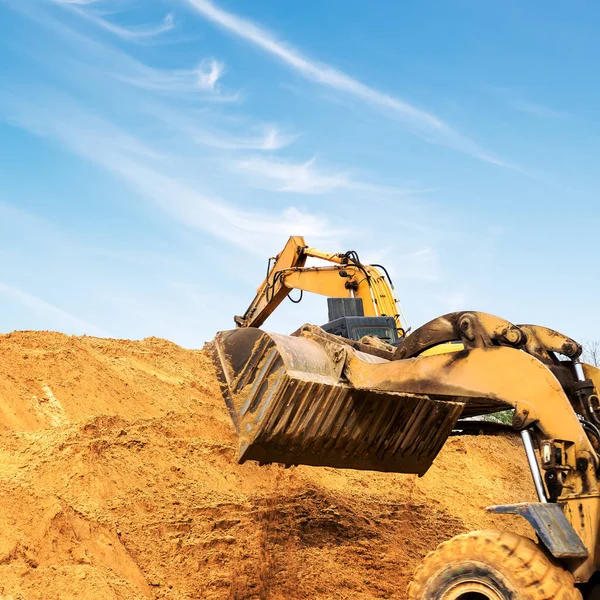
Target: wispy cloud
[265, 136]
[60, 319]
[208, 73]
[133, 33]
[272, 138]
[308, 178]
[142, 169]
[100, 59]
[151, 171]
[422, 122]
[294, 177]
[520, 103]
[242, 227]
[539, 110]
[203, 79]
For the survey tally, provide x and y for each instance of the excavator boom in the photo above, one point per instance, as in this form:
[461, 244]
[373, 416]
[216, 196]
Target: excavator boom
[344, 277]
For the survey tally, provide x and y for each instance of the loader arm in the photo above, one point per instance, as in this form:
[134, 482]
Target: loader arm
[346, 277]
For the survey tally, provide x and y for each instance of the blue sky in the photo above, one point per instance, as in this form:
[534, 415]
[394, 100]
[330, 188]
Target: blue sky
[154, 154]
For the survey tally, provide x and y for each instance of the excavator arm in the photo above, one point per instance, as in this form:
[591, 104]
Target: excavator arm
[272, 291]
[345, 277]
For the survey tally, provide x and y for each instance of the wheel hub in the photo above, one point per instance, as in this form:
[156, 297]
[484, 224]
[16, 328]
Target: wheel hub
[474, 590]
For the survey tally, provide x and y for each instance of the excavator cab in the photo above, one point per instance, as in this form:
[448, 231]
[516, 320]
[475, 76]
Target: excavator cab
[347, 319]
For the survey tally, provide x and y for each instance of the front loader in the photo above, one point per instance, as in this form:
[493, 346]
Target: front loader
[313, 398]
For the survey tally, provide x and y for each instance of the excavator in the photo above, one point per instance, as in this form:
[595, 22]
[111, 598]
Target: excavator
[362, 300]
[320, 399]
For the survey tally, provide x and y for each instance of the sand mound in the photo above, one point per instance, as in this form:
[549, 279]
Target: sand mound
[118, 480]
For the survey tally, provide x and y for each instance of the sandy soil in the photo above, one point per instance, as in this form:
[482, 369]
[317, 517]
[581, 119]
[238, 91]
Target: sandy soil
[118, 480]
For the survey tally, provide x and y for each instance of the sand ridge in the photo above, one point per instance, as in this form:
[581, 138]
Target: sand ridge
[119, 480]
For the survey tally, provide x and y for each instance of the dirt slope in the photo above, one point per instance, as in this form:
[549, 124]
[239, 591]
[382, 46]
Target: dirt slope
[118, 480]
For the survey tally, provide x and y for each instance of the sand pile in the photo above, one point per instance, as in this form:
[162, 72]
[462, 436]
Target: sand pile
[118, 479]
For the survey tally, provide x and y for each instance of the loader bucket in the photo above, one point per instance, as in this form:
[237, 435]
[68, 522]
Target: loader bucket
[290, 404]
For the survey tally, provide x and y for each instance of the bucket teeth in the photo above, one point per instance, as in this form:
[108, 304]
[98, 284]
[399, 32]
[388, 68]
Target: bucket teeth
[302, 422]
[293, 408]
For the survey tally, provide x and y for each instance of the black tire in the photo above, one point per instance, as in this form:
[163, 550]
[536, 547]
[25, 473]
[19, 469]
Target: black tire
[491, 565]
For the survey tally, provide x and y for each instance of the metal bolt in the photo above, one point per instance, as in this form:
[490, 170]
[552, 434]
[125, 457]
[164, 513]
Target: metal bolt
[512, 335]
[465, 327]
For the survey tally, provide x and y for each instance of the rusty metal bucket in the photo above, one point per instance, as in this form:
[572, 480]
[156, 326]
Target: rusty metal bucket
[291, 404]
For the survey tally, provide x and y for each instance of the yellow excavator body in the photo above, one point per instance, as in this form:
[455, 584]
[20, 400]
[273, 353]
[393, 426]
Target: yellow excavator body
[344, 277]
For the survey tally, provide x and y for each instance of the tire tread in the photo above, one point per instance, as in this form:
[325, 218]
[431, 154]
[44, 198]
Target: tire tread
[536, 575]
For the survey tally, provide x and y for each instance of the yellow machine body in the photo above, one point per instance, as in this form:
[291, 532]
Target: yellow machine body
[318, 399]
